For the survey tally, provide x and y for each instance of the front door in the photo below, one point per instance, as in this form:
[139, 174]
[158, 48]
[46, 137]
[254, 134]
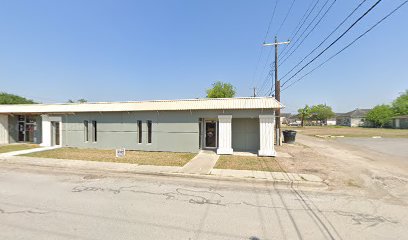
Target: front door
[55, 133]
[210, 134]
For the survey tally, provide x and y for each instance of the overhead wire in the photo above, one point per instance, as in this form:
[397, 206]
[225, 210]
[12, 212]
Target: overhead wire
[334, 42]
[324, 40]
[348, 45]
[308, 34]
[294, 42]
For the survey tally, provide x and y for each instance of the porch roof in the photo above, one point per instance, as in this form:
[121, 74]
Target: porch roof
[152, 105]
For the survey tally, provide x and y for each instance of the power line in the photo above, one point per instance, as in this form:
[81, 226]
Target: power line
[287, 14]
[348, 45]
[337, 39]
[307, 35]
[265, 38]
[301, 22]
[320, 44]
[304, 31]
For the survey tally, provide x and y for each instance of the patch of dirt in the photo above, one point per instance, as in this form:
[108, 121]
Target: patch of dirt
[349, 169]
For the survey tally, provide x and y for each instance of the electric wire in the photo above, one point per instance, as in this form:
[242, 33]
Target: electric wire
[348, 45]
[334, 42]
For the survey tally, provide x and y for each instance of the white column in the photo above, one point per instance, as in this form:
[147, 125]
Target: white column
[267, 128]
[4, 133]
[224, 134]
[397, 123]
[46, 131]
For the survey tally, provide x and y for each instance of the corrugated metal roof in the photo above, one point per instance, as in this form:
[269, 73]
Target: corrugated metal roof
[154, 105]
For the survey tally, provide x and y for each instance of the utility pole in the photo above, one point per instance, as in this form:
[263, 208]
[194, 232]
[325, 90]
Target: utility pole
[254, 91]
[277, 89]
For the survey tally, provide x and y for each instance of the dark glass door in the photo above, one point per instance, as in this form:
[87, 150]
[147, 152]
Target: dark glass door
[21, 132]
[55, 133]
[210, 134]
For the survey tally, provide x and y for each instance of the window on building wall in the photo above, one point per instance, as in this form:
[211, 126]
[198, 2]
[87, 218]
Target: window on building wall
[86, 131]
[94, 131]
[149, 131]
[139, 131]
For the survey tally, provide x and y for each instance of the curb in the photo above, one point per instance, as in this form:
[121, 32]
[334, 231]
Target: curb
[213, 177]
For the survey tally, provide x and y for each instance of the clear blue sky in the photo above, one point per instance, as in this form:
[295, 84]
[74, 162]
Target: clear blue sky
[53, 51]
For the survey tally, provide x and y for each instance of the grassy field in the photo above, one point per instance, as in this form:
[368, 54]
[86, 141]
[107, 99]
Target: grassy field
[135, 157]
[351, 131]
[16, 147]
[248, 163]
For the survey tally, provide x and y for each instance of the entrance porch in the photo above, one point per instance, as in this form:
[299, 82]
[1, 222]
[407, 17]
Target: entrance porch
[226, 135]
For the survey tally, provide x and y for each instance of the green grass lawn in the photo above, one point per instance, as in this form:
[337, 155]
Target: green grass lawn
[16, 147]
[135, 157]
[248, 163]
[351, 131]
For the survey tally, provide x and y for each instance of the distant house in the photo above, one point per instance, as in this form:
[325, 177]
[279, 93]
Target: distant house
[355, 118]
[331, 121]
[285, 118]
[400, 121]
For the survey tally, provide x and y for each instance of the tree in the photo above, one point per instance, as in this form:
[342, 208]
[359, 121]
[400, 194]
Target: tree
[7, 98]
[304, 113]
[82, 100]
[221, 90]
[321, 112]
[380, 115]
[400, 105]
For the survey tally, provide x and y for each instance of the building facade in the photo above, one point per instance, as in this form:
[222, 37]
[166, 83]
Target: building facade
[400, 122]
[355, 118]
[223, 125]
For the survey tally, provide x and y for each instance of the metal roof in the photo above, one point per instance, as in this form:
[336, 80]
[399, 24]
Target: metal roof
[153, 105]
[357, 113]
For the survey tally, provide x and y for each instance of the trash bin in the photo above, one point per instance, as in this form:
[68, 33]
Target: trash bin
[289, 136]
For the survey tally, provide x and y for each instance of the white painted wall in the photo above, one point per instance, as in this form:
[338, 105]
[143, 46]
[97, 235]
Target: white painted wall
[267, 141]
[4, 133]
[46, 129]
[224, 134]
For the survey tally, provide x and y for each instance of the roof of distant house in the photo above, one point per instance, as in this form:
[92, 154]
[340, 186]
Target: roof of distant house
[402, 116]
[153, 105]
[356, 113]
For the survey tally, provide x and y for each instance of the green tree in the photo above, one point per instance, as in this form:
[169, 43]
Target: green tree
[321, 112]
[380, 115]
[82, 100]
[7, 98]
[304, 113]
[221, 90]
[400, 105]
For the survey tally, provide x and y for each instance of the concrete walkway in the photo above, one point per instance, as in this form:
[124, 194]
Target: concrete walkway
[27, 151]
[202, 163]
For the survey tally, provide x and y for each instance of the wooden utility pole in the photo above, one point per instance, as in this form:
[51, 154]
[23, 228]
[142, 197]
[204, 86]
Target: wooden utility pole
[277, 90]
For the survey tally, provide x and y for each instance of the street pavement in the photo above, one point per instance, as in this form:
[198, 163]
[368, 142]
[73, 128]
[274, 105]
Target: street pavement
[391, 146]
[48, 203]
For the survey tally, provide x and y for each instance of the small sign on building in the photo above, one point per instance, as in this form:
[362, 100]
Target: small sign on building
[121, 152]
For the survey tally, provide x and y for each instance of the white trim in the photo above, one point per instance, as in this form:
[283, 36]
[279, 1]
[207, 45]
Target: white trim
[267, 141]
[224, 131]
[47, 130]
[4, 132]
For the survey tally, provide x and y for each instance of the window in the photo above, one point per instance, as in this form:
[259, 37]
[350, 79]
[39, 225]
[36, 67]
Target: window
[94, 132]
[139, 131]
[149, 131]
[86, 131]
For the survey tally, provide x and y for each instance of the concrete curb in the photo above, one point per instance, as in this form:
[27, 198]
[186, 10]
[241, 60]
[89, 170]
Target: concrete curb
[276, 178]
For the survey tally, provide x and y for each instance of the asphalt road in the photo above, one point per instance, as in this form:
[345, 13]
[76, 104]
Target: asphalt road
[37, 203]
[391, 146]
